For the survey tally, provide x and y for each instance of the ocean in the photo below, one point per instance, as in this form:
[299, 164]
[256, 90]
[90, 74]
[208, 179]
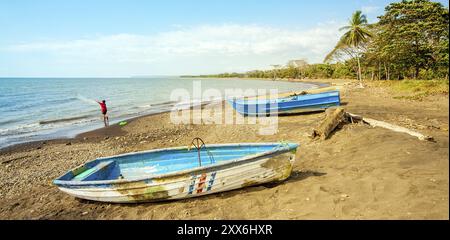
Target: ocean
[34, 109]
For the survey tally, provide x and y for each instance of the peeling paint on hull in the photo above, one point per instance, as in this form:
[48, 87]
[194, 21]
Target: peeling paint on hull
[275, 166]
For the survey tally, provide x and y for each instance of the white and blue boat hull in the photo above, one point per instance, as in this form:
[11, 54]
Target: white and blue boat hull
[287, 105]
[150, 182]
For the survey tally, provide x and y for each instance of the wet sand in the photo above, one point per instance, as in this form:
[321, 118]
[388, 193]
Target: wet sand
[358, 173]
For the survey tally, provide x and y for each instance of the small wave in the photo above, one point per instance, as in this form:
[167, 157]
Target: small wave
[193, 101]
[145, 106]
[164, 103]
[56, 101]
[9, 121]
[62, 120]
[19, 128]
[47, 125]
[167, 103]
[188, 104]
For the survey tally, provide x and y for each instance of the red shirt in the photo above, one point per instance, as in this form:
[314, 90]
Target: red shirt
[103, 106]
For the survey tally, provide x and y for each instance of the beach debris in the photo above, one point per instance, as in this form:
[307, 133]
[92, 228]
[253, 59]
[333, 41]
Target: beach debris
[13, 159]
[395, 128]
[337, 117]
[298, 94]
[69, 143]
[123, 123]
[333, 118]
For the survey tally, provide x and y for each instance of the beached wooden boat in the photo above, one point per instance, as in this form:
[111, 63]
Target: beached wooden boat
[177, 173]
[290, 104]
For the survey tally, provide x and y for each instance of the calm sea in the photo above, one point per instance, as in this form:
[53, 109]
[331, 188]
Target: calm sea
[43, 108]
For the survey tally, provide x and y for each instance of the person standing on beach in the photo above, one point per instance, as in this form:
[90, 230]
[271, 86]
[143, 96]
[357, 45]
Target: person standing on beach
[104, 111]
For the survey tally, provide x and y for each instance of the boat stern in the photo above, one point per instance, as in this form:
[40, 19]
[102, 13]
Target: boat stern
[282, 163]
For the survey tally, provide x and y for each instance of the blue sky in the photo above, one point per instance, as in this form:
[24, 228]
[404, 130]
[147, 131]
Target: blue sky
[112, 38]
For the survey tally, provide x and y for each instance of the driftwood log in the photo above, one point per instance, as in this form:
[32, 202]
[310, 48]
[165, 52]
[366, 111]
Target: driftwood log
[392, 127]
[338, 116]
[333, 118]
[13, 159]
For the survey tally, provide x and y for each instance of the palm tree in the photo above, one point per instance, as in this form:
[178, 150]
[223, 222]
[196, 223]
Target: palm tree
[354, 40]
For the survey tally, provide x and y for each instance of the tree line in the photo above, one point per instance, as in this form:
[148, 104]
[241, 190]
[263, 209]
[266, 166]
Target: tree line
[409, 41]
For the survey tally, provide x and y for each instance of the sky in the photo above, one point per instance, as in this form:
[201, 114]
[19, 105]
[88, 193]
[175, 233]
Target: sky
[123, 38]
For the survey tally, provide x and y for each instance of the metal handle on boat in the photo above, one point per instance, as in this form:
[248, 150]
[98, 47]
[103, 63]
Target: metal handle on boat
[198, 143]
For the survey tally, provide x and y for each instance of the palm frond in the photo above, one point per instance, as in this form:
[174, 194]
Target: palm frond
[356, 36]
[345, 28]
[339, 46]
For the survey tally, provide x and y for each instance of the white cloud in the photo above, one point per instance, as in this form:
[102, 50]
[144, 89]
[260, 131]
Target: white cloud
[199, 49]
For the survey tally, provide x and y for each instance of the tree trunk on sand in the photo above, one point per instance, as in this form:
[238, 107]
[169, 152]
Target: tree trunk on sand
[416, 72]
[388, 73]
[359, 72]
[379, 71]
[385, 71]
[331, 121]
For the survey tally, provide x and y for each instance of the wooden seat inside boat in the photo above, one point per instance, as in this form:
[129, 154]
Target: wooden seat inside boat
[97, 172]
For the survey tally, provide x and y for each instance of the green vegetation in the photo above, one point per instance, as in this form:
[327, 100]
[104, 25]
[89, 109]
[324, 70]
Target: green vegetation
[415, 89]
[311, 71]
[410, 41]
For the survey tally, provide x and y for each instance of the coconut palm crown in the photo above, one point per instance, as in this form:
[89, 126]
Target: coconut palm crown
[354, 39]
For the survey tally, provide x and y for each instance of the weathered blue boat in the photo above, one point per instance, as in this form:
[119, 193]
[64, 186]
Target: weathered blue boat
[291, 104]
[176, 173]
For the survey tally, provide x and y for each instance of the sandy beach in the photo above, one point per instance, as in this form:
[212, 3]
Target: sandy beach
[360, 172]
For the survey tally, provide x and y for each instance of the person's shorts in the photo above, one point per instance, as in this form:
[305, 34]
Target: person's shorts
[104, 112]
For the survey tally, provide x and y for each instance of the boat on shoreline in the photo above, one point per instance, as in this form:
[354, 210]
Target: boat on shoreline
[286, 105]
[178, 173]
